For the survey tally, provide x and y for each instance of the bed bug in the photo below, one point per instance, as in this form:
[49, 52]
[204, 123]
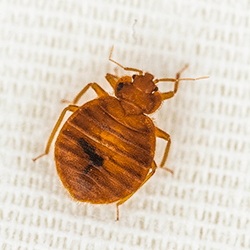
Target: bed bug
[105, 150]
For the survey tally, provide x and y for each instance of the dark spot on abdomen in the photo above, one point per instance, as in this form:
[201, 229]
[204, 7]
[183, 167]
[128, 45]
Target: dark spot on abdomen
[94, 158]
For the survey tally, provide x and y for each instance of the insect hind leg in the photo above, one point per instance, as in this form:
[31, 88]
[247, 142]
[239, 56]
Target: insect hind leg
[120, 202]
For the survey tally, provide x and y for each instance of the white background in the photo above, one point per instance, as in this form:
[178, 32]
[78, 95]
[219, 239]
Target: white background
[49, 50]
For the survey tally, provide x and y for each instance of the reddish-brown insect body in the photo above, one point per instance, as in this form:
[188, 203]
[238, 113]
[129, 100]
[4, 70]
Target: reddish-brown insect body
[105, 150]
[102, 155]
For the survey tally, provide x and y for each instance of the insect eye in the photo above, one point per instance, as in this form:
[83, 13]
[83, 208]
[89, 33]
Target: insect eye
[120, 86]
[155, 89]
[133, 76]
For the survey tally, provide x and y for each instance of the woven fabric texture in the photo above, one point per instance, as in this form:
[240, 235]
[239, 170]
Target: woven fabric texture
[49, 50]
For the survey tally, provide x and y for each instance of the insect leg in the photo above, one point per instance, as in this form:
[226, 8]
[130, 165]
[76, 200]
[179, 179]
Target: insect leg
[112, 79]
[163, 135]
[125, 68]
[97, 88]
[71, 108]
[120, 202]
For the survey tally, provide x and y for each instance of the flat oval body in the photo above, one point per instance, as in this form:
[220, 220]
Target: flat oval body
[103, 155]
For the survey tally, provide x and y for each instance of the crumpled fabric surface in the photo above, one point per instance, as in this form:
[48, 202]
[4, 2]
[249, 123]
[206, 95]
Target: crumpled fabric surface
[49, 50]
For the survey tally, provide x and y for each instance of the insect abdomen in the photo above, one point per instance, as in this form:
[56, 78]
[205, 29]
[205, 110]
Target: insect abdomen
[102, 157]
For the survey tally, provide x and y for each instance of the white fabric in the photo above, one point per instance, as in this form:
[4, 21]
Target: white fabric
[49, 50]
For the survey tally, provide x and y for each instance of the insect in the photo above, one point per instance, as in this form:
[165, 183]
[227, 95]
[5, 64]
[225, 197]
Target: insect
[105, 150]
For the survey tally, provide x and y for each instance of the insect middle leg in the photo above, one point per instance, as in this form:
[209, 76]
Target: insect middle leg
[163, 135]
[120, 202]
[99, 91]
[71, 108]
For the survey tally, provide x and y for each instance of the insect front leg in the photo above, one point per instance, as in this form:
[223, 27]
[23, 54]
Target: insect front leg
[71, 108]
[97, 88]
[163, 135]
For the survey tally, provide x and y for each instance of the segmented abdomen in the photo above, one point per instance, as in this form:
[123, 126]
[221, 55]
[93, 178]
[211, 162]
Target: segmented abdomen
[100, 157]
